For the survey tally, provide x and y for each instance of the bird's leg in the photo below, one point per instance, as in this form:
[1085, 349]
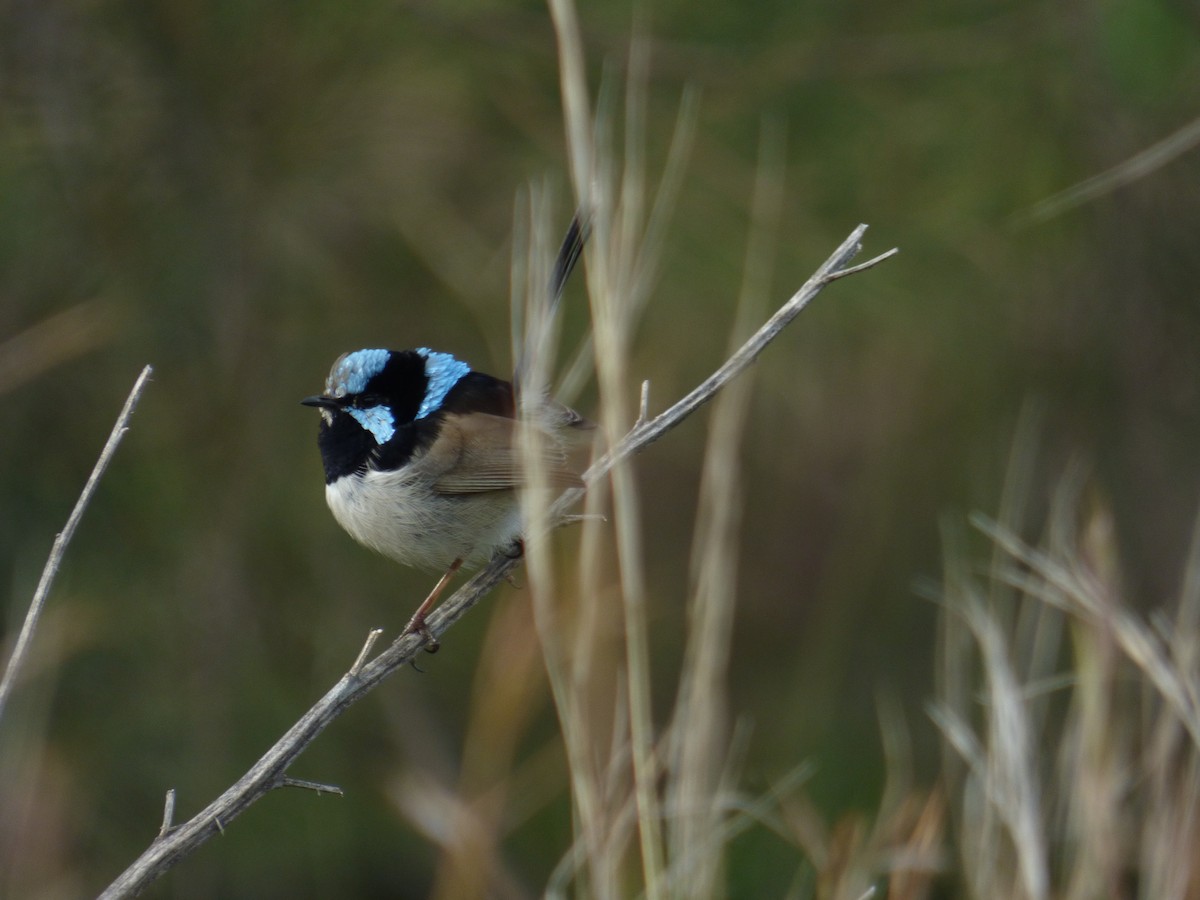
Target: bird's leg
[416, 625]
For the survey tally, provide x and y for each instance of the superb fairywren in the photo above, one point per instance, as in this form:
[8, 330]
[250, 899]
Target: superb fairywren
[421, 453]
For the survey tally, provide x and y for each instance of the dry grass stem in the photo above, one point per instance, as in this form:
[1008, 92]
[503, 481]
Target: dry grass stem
[37, 604]
[1078, 783]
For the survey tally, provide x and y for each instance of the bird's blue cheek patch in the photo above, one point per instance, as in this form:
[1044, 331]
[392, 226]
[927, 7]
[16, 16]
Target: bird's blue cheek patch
[378, 420]
[442, 372]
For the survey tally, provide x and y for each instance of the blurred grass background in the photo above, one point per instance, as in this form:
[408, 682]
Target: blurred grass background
[237, 193]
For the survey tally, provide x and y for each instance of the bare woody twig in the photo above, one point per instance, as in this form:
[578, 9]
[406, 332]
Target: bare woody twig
[25, 638]
[270, 771]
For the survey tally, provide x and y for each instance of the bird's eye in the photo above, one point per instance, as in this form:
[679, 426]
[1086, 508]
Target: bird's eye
[369, 401]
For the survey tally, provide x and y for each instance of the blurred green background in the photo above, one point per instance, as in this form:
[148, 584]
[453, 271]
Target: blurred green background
[238, 192]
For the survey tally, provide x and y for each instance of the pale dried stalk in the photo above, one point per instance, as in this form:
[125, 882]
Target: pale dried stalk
[25, 638]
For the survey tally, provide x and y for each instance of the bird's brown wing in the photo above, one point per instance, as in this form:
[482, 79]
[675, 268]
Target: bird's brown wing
[475, 453]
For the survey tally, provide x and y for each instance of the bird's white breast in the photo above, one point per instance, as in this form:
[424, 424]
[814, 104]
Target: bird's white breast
[396, 513]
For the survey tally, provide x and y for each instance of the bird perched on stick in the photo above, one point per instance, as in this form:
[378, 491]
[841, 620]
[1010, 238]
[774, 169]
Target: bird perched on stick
[421, 452]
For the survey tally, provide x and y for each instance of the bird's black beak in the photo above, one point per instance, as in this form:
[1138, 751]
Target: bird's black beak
[321, 401]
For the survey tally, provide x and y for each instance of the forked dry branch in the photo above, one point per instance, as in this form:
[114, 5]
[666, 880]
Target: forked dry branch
[175, 842]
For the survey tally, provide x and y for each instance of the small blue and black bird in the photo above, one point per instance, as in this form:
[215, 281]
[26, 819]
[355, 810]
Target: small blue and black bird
[421, 457]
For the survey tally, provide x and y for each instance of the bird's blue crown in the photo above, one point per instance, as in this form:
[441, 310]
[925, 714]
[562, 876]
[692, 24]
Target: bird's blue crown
[352, 373]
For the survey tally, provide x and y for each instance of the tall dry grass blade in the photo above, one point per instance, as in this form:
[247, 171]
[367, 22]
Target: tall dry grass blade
[55, 340]
[536, 305]
[1066, 586]
[573, 85]
[619, 253]
[1111, 753]
[700, 731]
[1140, 165]
[1002, 762]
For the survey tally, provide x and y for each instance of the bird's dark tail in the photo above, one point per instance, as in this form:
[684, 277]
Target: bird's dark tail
[569, 253]
[568, 256]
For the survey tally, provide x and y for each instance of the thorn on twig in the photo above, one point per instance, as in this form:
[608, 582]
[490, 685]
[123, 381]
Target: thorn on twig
[168, 814]
[644, 405]
[318, 787]
[220, 827]
[360, 661]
